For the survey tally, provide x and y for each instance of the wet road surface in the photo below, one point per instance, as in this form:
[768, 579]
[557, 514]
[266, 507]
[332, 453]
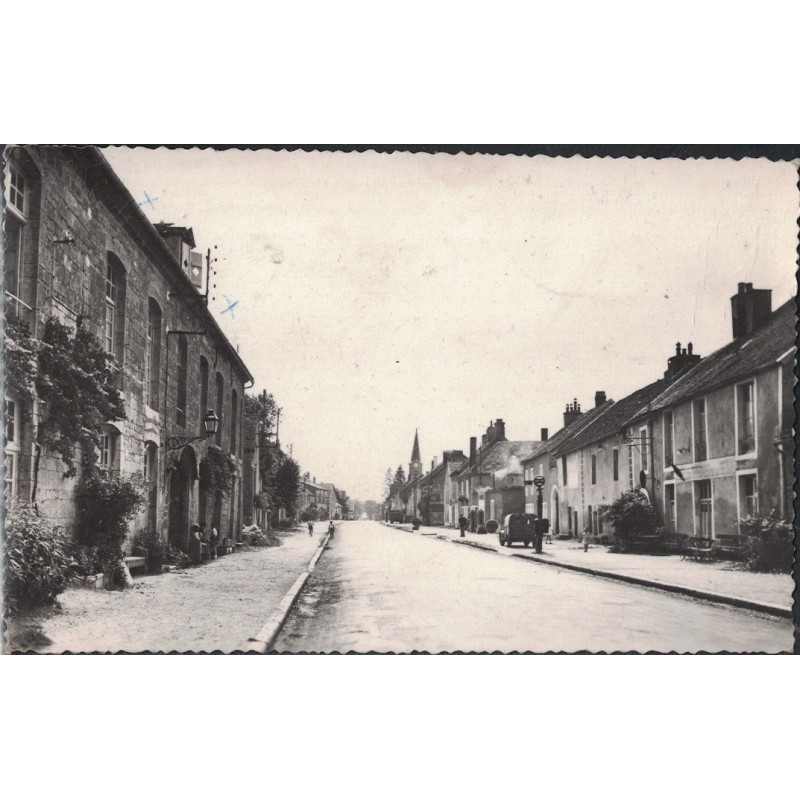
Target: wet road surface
[378, 589]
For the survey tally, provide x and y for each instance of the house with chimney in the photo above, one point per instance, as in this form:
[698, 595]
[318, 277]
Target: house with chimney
[495, 465]
[718, 441]
[544, 461]
[434, 489]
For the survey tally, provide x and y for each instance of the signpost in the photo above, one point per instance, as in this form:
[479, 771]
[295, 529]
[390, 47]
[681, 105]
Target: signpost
[538, 482]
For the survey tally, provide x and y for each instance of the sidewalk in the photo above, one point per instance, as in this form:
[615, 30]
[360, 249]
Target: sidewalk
[217, 605]
[720, 581]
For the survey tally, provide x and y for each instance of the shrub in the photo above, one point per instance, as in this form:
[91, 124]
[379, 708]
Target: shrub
[768, 544]
[260, 538]
[415, 523]
[37, 564]
[632, 515]
[176, 557]
[492, 525]
[106, 502]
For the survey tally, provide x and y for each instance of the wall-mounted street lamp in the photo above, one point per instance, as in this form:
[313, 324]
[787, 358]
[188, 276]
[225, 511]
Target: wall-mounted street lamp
[210, 423]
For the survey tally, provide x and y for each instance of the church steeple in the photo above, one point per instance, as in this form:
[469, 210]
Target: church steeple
[415, 467]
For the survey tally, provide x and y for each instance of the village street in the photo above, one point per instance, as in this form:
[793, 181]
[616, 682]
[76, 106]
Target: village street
[386, 589]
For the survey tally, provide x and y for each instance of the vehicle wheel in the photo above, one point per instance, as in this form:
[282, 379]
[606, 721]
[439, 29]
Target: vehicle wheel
[500, 538]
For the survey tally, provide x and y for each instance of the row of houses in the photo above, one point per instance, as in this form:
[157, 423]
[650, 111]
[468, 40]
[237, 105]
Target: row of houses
[321, 500]
[708, 443]
[79, 249]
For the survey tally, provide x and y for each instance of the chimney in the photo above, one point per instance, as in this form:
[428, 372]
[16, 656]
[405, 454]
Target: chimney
[682, 360]
[499, 430]
[544, 435]
[473, 448]
[750, 310]
[599, 399]
[572, 412]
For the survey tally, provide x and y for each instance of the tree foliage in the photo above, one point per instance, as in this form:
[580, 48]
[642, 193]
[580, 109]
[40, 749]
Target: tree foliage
[287, 485]
[388, 482]
[399, 476]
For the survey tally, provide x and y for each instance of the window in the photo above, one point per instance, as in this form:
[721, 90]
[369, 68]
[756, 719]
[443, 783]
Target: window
[703, 508]
[745, 419]
[643, 450]
[594, 469]
[748, 495]
[234, 418]
[203, 389]
[114, 333]
[16, 190]
[183, 364]
[668, 438]
[670, 508]
[590, 517]
[699, 422]
[109, 449]
[17, 241]
[615, 463]
[152, 355]
[630, 465]
[220, 400]
[11, 449]
[564, 470]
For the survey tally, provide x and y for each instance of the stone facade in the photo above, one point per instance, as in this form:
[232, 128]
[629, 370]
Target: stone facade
[83, 231]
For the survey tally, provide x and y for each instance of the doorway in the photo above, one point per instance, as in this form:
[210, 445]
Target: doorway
[180, 494]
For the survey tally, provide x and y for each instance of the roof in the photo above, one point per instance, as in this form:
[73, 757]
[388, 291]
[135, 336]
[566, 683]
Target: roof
[559, 438]
[738, 359]
[130, 210]
[456, 461]
[495, 456]
[415, 449]
[615, 417]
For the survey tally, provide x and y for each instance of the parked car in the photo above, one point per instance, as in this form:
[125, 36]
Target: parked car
[518, 528]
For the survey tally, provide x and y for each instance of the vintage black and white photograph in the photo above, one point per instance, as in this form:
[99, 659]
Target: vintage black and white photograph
[284, 400]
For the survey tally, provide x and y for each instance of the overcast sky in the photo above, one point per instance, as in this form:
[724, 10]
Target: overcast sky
[383, 293]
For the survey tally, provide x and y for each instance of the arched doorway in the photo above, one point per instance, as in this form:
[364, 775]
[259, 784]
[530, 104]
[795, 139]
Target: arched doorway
[180, 495]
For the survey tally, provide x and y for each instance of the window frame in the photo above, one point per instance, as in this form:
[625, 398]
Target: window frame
[110, 450]
[740, 474]
[704, 416]
[736, 414]
[669, 452]
[181, 396]
[671, 510]
[594, 469]
[696, 504]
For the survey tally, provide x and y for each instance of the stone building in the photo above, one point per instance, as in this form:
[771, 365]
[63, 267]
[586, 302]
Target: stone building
[434, 489]
[80, 249]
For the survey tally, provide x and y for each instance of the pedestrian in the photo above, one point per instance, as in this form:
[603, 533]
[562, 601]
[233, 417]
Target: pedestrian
[213, 539]
[310, 528]
[331, 529]
[585, 539]
[462, 524]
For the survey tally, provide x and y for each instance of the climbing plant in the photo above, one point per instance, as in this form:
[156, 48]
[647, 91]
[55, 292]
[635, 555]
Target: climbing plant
[21, 351]
[75, 385]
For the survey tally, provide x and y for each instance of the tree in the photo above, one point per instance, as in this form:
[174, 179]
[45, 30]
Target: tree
[287, 485]
[399, 476]
[388, 481]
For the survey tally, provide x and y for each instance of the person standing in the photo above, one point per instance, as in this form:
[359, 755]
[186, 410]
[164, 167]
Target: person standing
[462, 524]
[331, 529]
[585, 539]
[310, 528]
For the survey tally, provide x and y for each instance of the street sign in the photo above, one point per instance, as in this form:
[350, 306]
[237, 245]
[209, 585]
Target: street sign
[538, 481]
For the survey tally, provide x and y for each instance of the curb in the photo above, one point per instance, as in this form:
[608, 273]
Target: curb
[265, 638]
[700, 594]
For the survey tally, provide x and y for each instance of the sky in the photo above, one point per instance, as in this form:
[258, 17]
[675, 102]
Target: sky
[384, 293]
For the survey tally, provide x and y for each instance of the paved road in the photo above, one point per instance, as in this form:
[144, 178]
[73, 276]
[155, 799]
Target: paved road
[387, 590]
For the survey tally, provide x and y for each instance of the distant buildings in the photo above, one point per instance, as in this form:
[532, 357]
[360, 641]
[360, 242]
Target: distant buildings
[708, 444]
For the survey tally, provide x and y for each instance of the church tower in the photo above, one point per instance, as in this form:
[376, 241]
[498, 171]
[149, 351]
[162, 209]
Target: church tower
[415, 467]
